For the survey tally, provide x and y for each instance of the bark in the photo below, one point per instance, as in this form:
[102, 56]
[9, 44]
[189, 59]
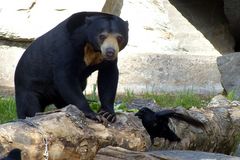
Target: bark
[221, 133]
[69, 135]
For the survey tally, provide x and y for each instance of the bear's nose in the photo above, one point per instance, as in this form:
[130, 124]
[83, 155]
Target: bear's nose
[110, 52]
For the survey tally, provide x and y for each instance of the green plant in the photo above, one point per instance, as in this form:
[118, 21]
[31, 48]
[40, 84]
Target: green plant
[185, 99]
[7, 109]
[122, 107]
[165, 99]
[95, 106]
[93, 96]
[128, 96]
[188, 99]
[231, 95]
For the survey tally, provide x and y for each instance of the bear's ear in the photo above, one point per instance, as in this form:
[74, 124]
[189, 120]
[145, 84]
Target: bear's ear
[79, 19]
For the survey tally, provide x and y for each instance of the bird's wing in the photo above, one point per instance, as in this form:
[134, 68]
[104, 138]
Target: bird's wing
[165, 114]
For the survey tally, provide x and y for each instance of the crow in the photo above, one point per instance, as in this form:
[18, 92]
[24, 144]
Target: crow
[14, 154]
[156, 123]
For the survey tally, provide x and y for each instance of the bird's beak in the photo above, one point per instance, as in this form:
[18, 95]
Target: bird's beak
[138, 114]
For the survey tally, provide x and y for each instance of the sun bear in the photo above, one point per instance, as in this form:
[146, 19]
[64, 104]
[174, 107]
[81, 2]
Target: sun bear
[55, 67]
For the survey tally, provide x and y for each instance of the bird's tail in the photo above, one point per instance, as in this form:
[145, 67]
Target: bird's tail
[187, 119]
[182, 117]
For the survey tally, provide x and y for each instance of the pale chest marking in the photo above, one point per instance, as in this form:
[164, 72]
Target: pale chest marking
[91, 57]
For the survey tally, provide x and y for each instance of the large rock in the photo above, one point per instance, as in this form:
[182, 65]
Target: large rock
[9, 56]
[231, 9]
[169, 73]
[183, 27]
[27, 19]
[229, 67]
[173, 45]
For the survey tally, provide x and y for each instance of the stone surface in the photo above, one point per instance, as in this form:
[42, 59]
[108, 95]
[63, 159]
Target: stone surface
[193, 155]
[190, 27]
[229, 67]
[9, 56]
[173, 45]
[209, 31]
[116, 153]
[169, 73]
[231, 9]
[28, 19]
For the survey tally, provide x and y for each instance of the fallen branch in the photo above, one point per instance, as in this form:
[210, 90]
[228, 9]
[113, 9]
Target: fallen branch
[67, 134]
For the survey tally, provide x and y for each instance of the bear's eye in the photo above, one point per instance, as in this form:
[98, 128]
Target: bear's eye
[102, 37]
[119, 39]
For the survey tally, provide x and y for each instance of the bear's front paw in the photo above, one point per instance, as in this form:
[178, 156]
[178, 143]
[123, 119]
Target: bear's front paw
[111, 117]
[93, 116]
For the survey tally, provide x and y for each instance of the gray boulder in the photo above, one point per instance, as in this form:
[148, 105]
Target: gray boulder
[229, 67]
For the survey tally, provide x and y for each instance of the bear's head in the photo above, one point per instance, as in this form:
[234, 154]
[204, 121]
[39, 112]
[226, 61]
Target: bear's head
[108, 34]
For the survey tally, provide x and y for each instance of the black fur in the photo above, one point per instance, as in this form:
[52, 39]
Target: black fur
[52, 69]
[14, 154]
[156, 123]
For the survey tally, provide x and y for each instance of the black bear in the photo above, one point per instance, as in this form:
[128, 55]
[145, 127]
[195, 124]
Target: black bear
[55, 67]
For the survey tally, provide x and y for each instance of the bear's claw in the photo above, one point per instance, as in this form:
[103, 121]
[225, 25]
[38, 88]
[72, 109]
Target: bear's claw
[109, 116]
[94, 117]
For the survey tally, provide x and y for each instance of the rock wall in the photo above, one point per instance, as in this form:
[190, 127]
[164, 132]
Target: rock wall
[231, 10]
[173, 45]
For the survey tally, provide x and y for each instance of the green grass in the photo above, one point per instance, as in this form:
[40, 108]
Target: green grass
[185, 99]
[232, 95]
[7, 110]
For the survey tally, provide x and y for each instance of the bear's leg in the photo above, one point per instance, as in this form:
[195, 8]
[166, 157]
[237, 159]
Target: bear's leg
[71, 92]
[60, 103]
[107, 87]
[27, 104]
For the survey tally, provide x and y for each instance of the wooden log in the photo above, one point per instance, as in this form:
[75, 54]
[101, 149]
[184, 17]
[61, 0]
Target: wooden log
[67, 134]
[222, 128]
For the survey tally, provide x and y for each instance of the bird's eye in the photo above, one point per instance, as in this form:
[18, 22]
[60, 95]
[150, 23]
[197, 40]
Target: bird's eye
[119, 39]
[102, 37]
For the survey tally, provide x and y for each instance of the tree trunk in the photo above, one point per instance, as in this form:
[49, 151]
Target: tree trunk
[67, 134]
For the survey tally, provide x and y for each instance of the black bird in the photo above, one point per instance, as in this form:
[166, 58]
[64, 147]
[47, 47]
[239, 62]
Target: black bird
[14, 154]
[156, 123]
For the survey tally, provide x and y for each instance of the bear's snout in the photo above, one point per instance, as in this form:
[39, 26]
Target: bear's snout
[109, 46]
[110, 52]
